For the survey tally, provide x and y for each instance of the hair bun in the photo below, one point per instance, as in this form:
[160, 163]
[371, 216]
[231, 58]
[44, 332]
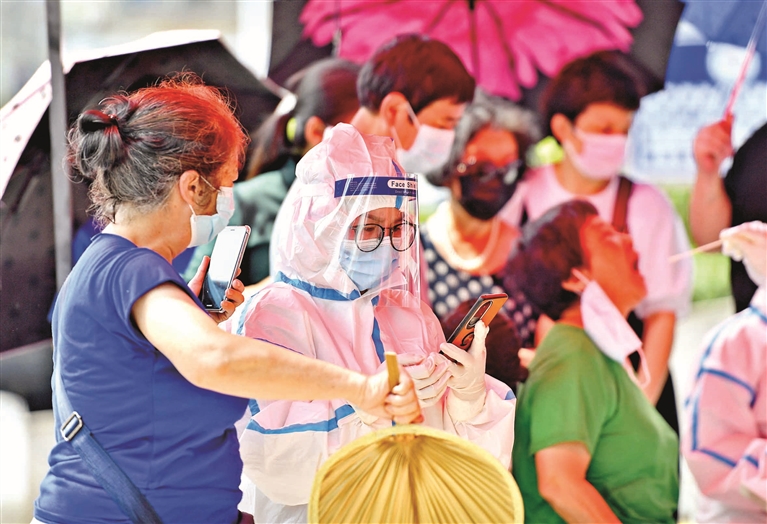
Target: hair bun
[94, 120]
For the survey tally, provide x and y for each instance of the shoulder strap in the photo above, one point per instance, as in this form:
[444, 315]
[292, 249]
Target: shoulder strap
[621, 204]
[101, 465]
[525, 218]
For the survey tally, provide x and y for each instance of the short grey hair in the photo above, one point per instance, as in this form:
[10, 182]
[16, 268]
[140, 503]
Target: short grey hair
[487, 111]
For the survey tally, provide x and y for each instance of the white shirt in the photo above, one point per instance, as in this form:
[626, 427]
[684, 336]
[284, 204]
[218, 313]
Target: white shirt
[656, 231]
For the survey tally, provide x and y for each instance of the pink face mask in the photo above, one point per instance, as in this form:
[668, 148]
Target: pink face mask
[601, 157]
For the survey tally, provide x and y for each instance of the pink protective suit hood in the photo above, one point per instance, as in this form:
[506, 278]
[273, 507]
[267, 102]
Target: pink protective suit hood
[309, 230]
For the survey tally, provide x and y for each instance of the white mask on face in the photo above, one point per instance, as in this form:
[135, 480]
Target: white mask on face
[206, 227]
[430, 150]
[608, 328]
[601, 157]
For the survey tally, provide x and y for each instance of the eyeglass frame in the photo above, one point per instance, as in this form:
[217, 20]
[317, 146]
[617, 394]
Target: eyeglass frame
[382, 235]
[515, 166]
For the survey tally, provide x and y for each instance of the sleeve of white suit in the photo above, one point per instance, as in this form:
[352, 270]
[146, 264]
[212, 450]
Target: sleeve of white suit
[285, 442]
[724, 439]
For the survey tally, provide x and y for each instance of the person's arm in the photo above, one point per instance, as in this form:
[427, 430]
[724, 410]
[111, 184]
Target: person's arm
[561, 471]
[710, 207]
[721, 440]
[212, 359]
[252, 289]
[657, 340]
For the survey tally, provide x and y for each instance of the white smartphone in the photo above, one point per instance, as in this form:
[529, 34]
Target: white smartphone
[224, 261]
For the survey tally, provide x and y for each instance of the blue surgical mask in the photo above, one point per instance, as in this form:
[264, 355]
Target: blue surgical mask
[206, 227]
[368, 270]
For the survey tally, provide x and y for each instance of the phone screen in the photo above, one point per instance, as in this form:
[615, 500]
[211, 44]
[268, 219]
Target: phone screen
[224, 261]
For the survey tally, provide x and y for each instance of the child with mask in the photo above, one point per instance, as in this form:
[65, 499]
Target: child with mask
[414, 90]
[589, 447]
[725, 419]
[589, 107]
[346, 291]
[465, 243]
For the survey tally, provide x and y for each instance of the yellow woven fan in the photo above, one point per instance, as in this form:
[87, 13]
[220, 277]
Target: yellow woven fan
[413, 474]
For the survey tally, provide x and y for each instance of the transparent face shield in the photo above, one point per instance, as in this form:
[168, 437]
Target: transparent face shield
[380, 249]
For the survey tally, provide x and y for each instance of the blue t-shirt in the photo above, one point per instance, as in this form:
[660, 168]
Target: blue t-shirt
[175, 441]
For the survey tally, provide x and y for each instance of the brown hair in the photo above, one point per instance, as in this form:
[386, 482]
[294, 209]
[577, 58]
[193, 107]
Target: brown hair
[135, 146]
[605, 76]
[422, 69]
[550, 247]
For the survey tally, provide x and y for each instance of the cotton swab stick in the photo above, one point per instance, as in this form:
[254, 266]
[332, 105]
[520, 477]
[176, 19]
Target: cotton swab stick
[392, 368]
[700, 249]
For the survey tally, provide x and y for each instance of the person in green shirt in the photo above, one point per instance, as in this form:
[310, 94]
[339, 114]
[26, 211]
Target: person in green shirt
[322, 94]
[589, 447]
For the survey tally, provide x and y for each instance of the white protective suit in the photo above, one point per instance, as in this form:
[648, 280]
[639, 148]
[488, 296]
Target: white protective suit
[315, 309]
[724, 437]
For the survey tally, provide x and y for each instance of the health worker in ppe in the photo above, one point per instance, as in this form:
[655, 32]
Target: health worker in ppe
[347, 290]
[724, 437]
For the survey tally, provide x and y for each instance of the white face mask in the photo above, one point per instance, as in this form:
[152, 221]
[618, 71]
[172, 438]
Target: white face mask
[206, 227]
[430, 150]
[601, 157]
[608, 328]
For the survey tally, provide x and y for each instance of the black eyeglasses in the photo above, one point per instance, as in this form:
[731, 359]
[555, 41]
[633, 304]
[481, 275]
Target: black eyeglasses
[487, 171]
[369, 236]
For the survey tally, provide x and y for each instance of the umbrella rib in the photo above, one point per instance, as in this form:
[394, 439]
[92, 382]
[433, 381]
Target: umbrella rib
[440, 15]
[495, 16]
[578, 16]
[331, 17]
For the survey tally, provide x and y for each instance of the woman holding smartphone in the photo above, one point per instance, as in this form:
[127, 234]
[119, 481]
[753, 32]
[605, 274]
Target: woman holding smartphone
[146, 386]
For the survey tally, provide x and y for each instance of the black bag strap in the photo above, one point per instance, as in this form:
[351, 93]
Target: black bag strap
[620, 211]
[101, 465]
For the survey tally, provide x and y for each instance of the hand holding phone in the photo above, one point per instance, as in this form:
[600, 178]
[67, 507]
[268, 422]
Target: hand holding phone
[224, 262]
[485, 309]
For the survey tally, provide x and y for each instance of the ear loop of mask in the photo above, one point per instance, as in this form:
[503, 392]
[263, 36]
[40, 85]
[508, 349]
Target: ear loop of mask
[645, 372]
[209, 185]
[416, 123]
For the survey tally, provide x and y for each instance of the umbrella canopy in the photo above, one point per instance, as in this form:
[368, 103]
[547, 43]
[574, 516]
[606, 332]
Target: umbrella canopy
[414, 474]
[727, 21]
[503, 44]
[27, 269]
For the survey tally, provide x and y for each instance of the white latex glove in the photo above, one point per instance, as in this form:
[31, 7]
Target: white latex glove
[430, 376]
[748, 242]
[467, 383]
[367, 418]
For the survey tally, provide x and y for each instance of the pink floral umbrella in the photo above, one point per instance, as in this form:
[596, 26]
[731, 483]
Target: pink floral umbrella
[504, 43]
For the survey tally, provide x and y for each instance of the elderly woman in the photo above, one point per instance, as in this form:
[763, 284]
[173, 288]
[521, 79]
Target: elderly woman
[346, 291]
[589, 446]
[465, 243]
[146, 386]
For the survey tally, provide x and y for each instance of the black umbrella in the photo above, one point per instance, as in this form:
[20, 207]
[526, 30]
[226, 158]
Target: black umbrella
[27, 218]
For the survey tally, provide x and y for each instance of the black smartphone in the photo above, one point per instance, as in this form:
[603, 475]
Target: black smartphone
[224, 261]
[484, 309]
